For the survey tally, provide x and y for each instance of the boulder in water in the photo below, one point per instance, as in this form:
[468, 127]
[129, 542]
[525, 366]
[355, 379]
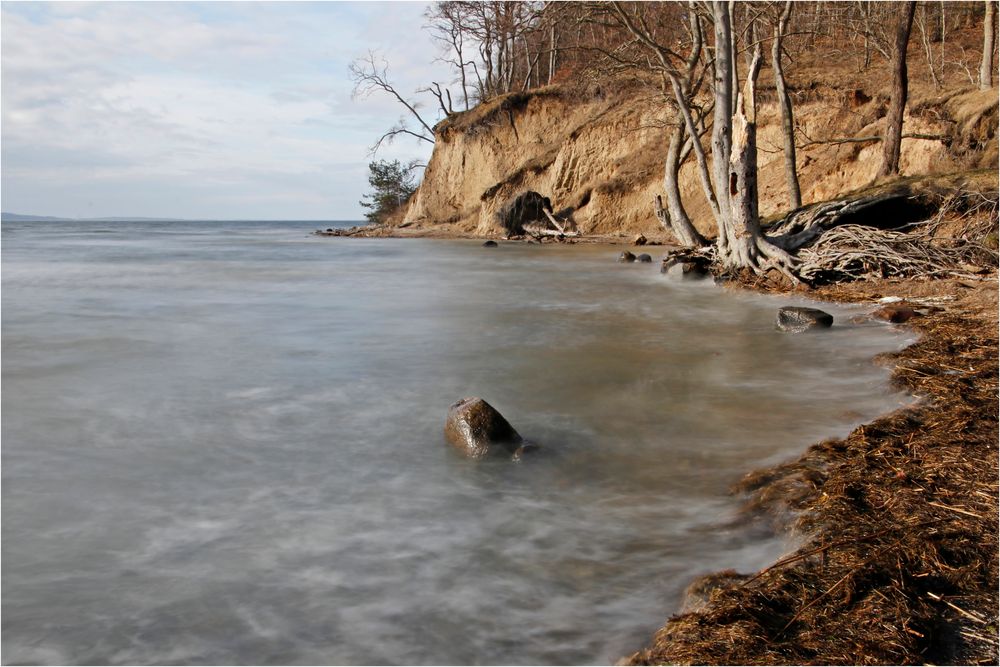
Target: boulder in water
[477, 429]
[639, 240]
[644, 258]
[490, 244]
[895, 313]
[795, 319]
[626, 256]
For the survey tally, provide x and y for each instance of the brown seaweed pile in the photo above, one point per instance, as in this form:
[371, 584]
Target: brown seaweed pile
[898, 563]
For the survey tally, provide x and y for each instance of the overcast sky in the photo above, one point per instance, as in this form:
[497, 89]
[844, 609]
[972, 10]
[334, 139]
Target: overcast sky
[201, 110]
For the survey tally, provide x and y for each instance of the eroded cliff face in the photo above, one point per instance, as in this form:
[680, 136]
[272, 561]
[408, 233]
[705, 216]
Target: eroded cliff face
[599, 157]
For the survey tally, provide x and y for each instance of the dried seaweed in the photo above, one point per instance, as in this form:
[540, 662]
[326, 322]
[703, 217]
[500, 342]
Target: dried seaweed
[898, 563]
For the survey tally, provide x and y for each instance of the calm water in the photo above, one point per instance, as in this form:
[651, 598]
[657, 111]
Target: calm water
[222, 443]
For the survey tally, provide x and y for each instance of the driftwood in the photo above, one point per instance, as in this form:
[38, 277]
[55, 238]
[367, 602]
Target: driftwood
[553, 220]
[538, 230]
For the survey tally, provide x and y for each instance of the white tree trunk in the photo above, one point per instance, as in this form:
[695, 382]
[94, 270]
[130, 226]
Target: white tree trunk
[721, 124]
[744, 247]
[674, 217]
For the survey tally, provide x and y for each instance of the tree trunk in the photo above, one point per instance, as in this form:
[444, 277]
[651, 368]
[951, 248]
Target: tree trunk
[897, 102]
[733, 60]
[989, 34]
[721, 123]
[674, 217]
[552, 53]
[785, 104]
[745, 247]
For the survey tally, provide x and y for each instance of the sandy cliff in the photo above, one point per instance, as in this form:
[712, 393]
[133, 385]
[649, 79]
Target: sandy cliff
[599, 155]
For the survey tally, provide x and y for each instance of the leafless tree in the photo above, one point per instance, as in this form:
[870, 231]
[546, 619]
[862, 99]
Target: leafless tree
[447, 23]
[923, 24]
[785, 104]
[371, 74]
[897, 99]
[680, 80]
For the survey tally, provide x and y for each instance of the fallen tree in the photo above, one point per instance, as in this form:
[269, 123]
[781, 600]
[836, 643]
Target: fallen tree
[531, 213]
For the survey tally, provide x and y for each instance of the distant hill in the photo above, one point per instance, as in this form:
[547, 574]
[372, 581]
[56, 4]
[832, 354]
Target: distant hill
[17, 217]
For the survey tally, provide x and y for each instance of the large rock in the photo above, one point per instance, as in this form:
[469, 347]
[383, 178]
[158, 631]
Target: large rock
[794, 319]
[490, 244]
[644, 258]
[475, 428]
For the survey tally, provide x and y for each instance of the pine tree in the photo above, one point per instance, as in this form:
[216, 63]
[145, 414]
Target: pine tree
[392, 184]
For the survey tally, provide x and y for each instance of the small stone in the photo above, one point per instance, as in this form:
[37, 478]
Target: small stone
[794, 319]
[490, 244]
[626, 256]
[644, 258]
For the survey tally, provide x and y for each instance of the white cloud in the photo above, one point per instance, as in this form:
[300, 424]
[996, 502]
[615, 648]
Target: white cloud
[218, 110]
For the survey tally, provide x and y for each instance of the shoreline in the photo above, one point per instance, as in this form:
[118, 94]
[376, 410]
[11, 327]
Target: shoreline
[881, 574]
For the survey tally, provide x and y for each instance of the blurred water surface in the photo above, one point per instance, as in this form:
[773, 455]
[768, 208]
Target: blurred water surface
[222, 443]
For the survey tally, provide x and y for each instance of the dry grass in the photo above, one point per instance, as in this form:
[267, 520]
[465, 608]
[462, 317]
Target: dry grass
[898, 563]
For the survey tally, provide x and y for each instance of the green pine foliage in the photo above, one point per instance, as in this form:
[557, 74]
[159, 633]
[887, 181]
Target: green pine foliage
[392, 184]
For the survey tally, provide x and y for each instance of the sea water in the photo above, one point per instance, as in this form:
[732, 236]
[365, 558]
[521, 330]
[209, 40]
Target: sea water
[222, 443]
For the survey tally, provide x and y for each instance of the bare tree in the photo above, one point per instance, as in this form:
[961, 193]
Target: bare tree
[447, 23]
[740, 243]
[680, 80]
[989, 35]
[897, 101]
[371, 74]
[785, 104]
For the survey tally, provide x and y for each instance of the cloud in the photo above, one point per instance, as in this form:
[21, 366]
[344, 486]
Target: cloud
[191, 110]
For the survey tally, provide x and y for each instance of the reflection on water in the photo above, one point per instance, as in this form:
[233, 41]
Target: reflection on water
[222, 444]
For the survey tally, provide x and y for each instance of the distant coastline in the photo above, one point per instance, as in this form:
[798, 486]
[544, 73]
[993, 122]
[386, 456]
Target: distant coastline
[20, 217]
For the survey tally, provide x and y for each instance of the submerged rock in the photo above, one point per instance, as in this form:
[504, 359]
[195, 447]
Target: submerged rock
[795, 319]
[644, 258]
[626, 256]
[477, 429]
[490, 244]
[895, 313]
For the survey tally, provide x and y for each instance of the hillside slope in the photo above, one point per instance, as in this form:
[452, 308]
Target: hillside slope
[599, 155]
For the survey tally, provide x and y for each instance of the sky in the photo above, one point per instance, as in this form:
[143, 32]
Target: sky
[223, 110]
